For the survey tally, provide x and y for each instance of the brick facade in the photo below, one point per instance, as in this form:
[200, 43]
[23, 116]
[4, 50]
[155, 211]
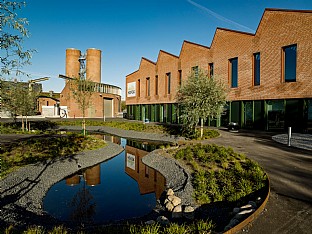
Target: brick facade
[277, 29]
[107, 98]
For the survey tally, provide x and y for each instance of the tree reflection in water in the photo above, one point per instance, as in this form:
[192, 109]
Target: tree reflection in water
[83, 208]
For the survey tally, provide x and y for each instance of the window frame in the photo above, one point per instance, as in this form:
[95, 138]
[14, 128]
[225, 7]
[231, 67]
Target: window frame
[148, 87]
[156, 85]
[139, 88]
[231, 72]
[195, 70]
[284, 66]
[256, 66]
[168, 80]
[210, 69]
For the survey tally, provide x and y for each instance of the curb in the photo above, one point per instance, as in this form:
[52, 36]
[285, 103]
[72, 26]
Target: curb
[253, 216]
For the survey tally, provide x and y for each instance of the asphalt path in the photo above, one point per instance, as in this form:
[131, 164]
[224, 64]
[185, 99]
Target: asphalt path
[289, 209]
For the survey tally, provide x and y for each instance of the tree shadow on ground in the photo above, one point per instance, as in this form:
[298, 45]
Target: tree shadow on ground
[220, 213]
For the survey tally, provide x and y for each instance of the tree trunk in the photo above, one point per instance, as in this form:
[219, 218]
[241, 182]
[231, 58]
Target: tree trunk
[84, 127]
[26, 123]
[201, 127]
[23, 127]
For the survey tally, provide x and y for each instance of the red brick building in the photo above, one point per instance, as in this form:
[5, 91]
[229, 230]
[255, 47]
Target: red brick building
[106, 99]
[269, 75]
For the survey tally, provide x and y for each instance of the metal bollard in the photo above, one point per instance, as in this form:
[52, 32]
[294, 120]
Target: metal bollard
[289, 135]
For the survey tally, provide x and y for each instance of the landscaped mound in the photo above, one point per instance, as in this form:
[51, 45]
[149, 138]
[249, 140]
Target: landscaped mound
[220, 174]
[42, 147]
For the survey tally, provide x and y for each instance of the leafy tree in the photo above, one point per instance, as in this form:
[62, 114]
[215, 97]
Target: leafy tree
[82, 91]
[200, 98]
[17, 99]
[123, 105]
[12, 34]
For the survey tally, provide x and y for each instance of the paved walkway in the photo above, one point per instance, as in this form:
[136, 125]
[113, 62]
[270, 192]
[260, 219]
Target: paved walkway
[289, 209]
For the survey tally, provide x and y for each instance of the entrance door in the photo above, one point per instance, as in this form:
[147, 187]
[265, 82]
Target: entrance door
[108, 107]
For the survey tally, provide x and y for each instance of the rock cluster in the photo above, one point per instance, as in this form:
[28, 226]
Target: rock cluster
[241, 213]
[173, 206]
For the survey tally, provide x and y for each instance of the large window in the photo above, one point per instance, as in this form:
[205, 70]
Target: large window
[289, 63]
[234, 72]
[256, 69]
[139, 87]
[180, 77]
[148, 87]
[168, 77]
[210, 69]
[156, 85]
[195, 71]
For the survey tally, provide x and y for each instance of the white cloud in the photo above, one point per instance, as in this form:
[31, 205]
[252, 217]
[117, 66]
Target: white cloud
[219, 17]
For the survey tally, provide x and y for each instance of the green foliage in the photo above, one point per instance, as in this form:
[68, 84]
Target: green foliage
[203, 227]
[175, 228]
[41, 148]
[17, 99]
[12, 34]
[200, 98]
[81, 91]
[197, 227]
[37, 127]
[145, 229]
[220, 174]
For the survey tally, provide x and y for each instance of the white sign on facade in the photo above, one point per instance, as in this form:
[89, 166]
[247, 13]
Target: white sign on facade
[131, 161]
[131, 87]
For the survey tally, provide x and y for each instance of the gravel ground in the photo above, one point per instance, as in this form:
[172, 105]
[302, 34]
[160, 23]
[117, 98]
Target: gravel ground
[177, 177]
[22, 192]
[302, 141]
[128, 134]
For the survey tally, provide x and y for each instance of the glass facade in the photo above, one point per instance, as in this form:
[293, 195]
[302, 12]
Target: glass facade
[269, 115]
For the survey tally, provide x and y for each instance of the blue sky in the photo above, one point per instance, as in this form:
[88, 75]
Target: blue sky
[126, 30]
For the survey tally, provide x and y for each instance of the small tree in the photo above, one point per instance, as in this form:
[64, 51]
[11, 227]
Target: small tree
[82, 91]
[17, 99]
[200, 98]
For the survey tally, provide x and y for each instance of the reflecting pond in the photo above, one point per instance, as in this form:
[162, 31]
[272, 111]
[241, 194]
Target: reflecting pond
[120, 188]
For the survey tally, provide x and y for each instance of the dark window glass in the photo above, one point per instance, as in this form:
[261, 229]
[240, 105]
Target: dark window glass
[168, 75]
[290, 63]
[139, 88]
[168, 82]
[210, 70]
[234, 72]
[256, 69]
[148, 87]
[180, 77]
[156, 85]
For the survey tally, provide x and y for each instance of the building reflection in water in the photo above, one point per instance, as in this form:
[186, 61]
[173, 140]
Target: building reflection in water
[92, 177]
[148, 179]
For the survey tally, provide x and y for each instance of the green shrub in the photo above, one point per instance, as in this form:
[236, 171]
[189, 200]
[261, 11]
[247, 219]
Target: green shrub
[220, 174]
[175, 228]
